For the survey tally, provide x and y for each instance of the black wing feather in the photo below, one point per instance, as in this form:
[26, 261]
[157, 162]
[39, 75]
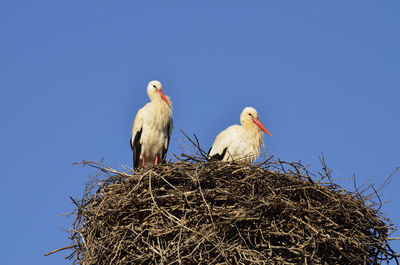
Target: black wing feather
[217, 156]
[136, 148]
[165, 149]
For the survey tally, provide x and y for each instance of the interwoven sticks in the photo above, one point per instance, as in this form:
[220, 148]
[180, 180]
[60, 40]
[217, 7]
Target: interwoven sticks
[197, 212]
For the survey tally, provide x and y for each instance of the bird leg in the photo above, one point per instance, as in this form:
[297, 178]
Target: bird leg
[156, 161]
[143, 160]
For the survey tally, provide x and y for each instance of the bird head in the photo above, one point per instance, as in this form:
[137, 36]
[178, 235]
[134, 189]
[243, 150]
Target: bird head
[154, 89]
[249, 116]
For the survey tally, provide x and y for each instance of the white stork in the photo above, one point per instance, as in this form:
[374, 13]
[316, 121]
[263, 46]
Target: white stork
[240, 142]
[152, 128]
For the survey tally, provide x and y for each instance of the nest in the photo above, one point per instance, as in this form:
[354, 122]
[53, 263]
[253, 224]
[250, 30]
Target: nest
[198, 212]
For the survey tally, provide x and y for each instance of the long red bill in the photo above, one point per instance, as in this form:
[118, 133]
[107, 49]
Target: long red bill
[261, 126]
[164, 98]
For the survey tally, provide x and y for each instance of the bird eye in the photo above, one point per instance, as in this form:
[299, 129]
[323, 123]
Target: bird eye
[154, 86]
[250, 115]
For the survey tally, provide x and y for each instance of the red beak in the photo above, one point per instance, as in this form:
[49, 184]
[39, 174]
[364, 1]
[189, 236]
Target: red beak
[164, 97]
[261, 126]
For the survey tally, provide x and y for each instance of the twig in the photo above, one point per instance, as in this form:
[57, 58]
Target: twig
[63, 248]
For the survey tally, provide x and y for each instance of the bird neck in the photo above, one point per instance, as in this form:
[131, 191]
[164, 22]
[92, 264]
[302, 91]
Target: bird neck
[157, 99]
[254, 132]
[154, 96]
[249, 125]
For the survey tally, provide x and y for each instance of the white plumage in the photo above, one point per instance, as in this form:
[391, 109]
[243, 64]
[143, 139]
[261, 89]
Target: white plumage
[240, 143]
[152, 128]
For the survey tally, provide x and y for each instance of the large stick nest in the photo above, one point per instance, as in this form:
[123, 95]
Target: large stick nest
[198, 212]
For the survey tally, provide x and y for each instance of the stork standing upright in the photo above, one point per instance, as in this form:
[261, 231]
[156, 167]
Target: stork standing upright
[240, 142]
[152, 128]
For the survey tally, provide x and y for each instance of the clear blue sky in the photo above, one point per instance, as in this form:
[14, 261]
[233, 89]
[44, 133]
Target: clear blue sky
[323, 75]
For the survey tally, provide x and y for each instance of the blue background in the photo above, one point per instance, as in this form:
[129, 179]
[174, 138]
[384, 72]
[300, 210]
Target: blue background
[323, 75]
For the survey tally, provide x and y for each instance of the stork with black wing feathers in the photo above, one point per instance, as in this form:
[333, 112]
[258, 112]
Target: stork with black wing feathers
[152, 128]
